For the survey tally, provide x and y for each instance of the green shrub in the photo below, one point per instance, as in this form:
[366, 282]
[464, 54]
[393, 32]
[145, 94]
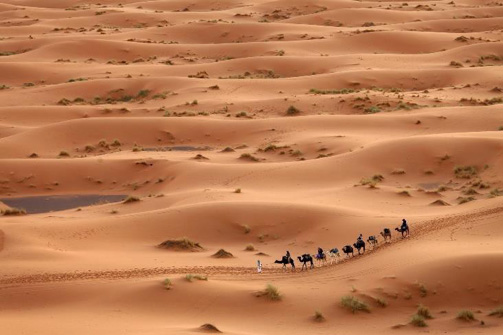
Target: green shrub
[353, 304]
[372, 110]
[143, 94]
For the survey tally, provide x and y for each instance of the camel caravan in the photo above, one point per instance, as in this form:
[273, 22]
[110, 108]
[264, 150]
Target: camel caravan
[308, 260]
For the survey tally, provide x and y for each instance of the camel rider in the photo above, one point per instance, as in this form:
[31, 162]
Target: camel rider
[320, 252]
[288, 257]
[359, 239]
[404, 225]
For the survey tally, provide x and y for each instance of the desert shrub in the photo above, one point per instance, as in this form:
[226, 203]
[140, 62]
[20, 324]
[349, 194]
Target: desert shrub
[292, 111]
[372, 110]
[130, 199]
[13, 211]
[381, 302]
[116, 143]
[272, 292]
[246, 228]
[191, 277]
[465, 172]
[209, 328]
[270, 147]
[249, 157]
[372, 181]
[353, 304]
[64, 154]
[455, 64]
[497, 312]
[418, 321]
[423, 291]
[404, 193]
[250, 247]
[465, 315]
[181, 244]
[424, 312]
[318, 316]
[398, 171]
[237, 190]
[496, 193]
[222, 254]
[342, 91]
[464, 200]
[167, 284]
[143, 93]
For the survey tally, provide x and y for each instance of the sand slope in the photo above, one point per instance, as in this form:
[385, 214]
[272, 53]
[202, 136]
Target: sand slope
[254, 127]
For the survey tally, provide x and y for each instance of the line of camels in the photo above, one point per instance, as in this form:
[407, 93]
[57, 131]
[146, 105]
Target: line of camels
[348, 250]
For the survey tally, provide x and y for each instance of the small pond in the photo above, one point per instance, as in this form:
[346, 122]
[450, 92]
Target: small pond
[51, 203]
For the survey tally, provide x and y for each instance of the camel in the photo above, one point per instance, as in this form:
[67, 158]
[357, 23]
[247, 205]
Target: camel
[386, 233]
[306, 258]
[405, 232]
[334, 254]
[348, 250]
[358, 245]
[372, 240]
[322, 259]
[285, 260]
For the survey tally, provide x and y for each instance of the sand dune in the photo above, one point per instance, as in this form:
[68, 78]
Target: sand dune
[253, 127]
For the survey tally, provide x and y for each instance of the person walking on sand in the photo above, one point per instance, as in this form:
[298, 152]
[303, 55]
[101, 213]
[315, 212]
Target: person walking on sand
[259, 266]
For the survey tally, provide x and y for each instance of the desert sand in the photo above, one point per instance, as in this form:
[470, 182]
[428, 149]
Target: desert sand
[255, 127]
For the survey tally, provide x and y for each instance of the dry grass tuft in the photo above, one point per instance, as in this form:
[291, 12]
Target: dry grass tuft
[271, 292]
[250, 247]
[222, 254]
[13, 211]
[353, 304]
[209, 328]
[418, 321]
[424, 312]
[182, 244]
[191, 277]
[465, 315]
[497, 312]
[318, 316]
[130, 199]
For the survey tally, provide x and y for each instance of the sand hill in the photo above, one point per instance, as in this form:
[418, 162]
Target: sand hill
[151, 152]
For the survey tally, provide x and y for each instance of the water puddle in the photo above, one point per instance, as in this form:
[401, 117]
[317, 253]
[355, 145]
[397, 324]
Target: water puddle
[45, 204]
